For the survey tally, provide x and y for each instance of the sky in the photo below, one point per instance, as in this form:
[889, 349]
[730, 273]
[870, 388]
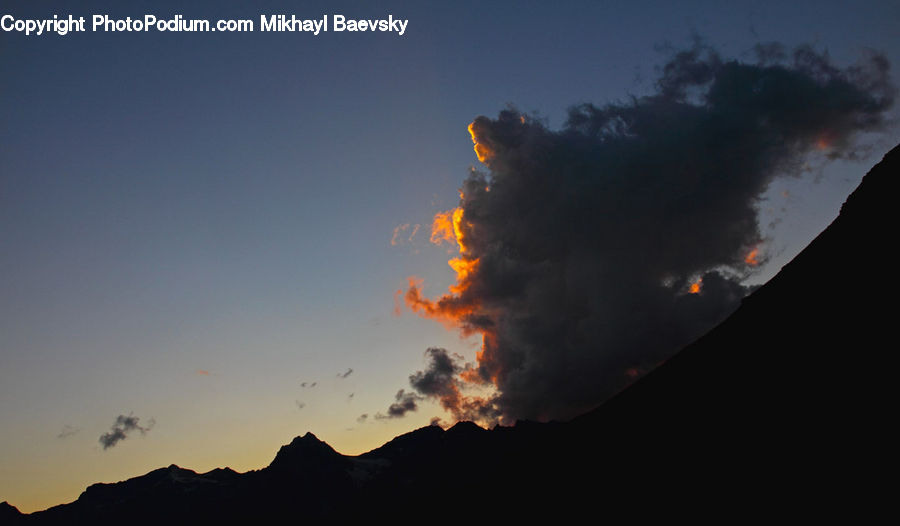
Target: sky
[203, 233]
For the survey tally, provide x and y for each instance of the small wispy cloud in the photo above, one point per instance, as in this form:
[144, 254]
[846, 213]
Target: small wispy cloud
[68, 431]
[404, 402]
[121, 428]
[399, 236]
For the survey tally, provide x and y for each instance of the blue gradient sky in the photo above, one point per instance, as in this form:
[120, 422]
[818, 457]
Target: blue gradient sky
[179, 202]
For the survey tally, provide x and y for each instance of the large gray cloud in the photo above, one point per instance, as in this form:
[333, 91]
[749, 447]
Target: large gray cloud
[580, 246]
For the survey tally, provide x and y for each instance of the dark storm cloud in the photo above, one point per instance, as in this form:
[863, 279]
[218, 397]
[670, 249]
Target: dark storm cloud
[588, 239]
[120, 430]
[404, 402]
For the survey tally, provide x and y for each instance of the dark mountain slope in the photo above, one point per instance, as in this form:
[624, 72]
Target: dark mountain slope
[794, 388]
[782, 410]
[8, 513]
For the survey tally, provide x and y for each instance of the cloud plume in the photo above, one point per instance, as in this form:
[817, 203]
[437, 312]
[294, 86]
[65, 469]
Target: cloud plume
[121, 428]
[589, 254]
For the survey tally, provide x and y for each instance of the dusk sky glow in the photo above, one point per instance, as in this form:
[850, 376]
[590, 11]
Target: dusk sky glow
[204, 234]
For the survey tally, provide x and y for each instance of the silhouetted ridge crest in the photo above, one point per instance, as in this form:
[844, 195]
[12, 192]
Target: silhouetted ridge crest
[418, 439]
[303, 453]
[9, 512]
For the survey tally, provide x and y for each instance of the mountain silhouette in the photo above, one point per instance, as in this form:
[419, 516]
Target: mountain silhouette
[782, 411]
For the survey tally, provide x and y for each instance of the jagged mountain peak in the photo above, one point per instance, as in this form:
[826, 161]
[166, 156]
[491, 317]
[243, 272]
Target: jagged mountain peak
[304, 452]
[465, 426]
